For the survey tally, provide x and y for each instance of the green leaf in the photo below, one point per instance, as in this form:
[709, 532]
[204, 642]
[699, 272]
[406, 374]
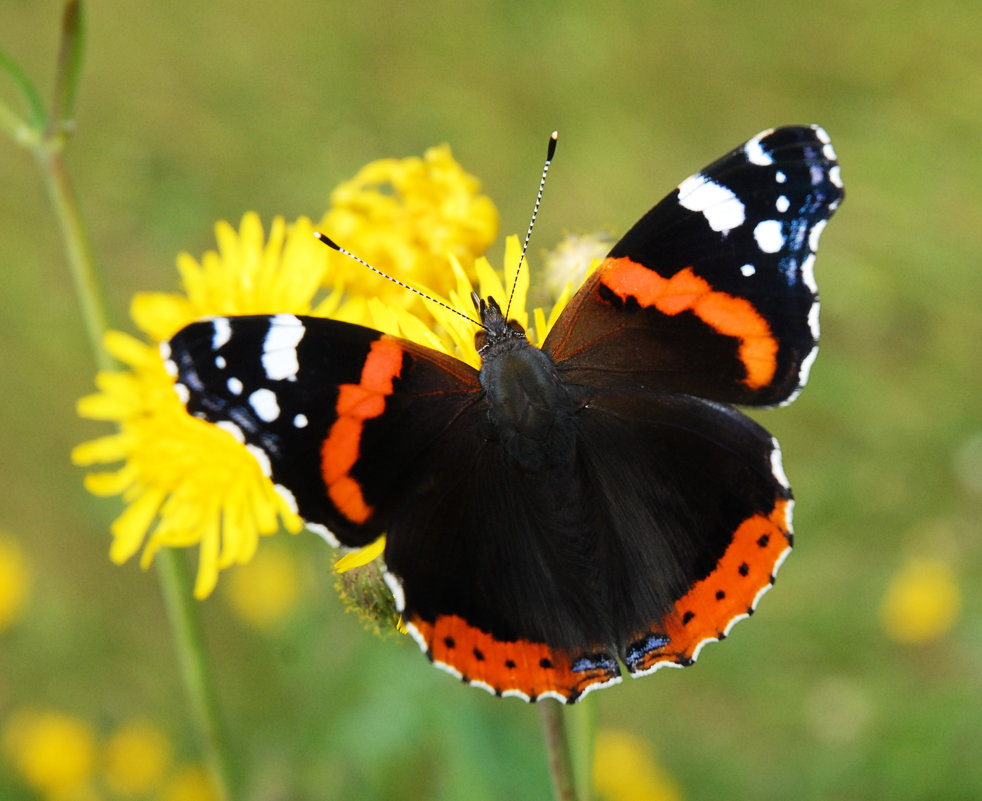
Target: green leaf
[70, 58]
[14, 122]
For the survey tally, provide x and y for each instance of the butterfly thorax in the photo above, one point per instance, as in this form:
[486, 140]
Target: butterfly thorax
[527, 402]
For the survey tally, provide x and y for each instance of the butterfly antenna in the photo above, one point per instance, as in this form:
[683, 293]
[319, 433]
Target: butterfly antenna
[535, 211]
[335, 246]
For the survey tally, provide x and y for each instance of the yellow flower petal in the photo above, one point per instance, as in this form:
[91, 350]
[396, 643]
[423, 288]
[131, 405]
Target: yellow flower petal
[108, 483]
[360, 557]
[130, 528]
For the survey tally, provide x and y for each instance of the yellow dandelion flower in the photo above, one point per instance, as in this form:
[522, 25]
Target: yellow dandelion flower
[15, 580]
[922, 601]
[624, 769]
[409, 217]
[192, 483]
[54, 753]
[136, 759]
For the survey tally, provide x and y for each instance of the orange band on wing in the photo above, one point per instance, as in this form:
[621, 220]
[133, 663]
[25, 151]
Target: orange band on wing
[686, 291]
[357, 403]
[531, 669]
[729, 593]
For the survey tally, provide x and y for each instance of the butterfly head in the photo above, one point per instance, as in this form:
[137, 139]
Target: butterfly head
[494, 327]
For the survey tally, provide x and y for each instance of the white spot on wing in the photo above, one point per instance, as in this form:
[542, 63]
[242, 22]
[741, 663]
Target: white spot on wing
[287, 497]
[782, 204]
[234, 385]
[815, 233]
[777, 466]
[747, 270]
[220, 362]
[755, 153]
[232, 429]
[183, 394]
[222, 332]
[808, 272]
[769, 236]
[263, 403]
[394, 584]
[721, 208]
[280, 347]
[806, 366]
[262, 457]
[813, 325]
[324, 532]
[780, 177]
[300, 421]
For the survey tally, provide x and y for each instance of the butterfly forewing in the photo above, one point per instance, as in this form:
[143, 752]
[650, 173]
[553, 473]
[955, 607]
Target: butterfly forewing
[713, 292]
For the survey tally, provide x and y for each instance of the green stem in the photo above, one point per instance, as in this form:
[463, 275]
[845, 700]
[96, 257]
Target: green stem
[81, 263]
[582, 721]
[175, 580]
[557, 746]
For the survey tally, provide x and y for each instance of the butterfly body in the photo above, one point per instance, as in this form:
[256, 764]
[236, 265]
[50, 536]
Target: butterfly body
[566, 510]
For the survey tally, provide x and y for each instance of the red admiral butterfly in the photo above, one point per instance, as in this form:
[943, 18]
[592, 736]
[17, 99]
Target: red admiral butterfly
[565, 509]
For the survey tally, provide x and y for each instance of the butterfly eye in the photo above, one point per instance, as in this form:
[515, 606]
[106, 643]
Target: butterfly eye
[480, 339]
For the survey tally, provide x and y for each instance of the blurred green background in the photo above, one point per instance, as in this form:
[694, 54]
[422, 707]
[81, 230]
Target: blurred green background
[193, 112]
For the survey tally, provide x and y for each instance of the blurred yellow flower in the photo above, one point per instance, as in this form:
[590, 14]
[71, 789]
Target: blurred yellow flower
[189, 783]
[54, 753]
[408, 217]
[15, 580]
[264, 591]
[135, 759]
[921, 602]
[624, 769]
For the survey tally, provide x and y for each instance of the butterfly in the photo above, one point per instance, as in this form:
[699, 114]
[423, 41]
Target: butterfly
[567, 511]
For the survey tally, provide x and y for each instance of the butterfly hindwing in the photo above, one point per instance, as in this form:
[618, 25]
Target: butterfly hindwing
[665, 528]
[712, 292]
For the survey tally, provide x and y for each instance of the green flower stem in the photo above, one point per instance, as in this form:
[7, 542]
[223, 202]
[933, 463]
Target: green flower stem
[582, 720]
[175, 581]
[88, 287]
[47, 139]
[557, 746]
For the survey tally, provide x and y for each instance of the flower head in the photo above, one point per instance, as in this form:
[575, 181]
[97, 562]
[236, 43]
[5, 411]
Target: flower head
[408, 217]
[187, 483]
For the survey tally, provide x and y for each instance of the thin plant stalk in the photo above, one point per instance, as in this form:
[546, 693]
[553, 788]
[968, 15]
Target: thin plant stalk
[557, 747]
